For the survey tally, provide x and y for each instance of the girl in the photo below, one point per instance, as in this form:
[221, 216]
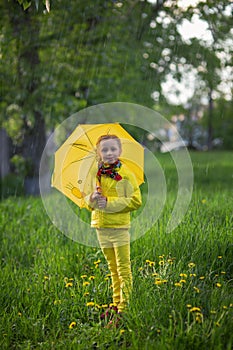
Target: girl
[117, 194]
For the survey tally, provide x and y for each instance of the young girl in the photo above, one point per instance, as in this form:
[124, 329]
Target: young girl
[116, 195]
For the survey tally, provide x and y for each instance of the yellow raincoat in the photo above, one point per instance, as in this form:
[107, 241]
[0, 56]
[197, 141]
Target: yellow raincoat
[123, 197]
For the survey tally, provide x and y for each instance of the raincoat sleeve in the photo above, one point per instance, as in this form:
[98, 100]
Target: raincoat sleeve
[129, 196]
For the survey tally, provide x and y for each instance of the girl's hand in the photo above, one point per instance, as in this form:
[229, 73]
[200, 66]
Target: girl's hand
[95, 195]
[101, 201]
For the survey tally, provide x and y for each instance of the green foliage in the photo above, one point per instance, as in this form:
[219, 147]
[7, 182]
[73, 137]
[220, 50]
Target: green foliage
[44, 298]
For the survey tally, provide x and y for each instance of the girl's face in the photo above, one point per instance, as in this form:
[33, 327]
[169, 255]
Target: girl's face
[109, 151]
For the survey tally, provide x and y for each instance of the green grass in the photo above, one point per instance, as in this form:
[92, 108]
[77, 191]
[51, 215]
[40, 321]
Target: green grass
[42, 290]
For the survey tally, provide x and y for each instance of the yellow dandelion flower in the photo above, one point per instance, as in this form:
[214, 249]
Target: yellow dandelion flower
[196, 289]
[218, 285]
[182, 281]
[199, 317]
[112, 304]
[140, 268]
[223, 272]
[225, 307]
[161, 256]
[104, 306]
[86, 294]
[151, 263]
[158, 331]
[195, 309]
[193, 275]
[86, 284]
[19, 314]
[220, 257]
[46, 278]
[69, 284]
[191, 265]
[147, 261]
[178, 284]
[97, 262]
[170, 261]
[183, 275]
[161, 262]
[231, 305]
[155, 274]
[188, 306]
[213, 312]
[91, 278]
[71, 279]
[202, 278]
[158, 282]
[122, 331]
[84, 276]
[90, 303]
[72, 325]
[65, 279]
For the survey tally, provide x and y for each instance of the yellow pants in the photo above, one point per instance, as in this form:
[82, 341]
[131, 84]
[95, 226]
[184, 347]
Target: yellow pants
[115, 244]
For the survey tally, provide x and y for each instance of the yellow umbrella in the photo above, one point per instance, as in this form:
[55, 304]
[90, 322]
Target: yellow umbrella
[76, 160]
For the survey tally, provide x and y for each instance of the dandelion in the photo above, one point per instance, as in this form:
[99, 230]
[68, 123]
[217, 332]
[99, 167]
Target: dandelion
[213, 312]
[188, 306]
[65, 279]
[91, 278]
[193, 275]
[158, 331]
[202, 278]
[220, 257]
[170, 261]
[225, 307]
[155, 274]
[223, 272]
[196, 289]
[72, 325]
[46, 278]
[19, 314]
[122, 331]
[178, 284]
[231, 305]
[69, 284]
[57, 302]
[182, 281]
[152, 263]
[218, 285]
[161, 262]
[191, 265]
[161, 256]
[199, 317]
[104, 306]
[86, 294]
[90, 303]
[97, 262]
[195, 309]
[183, 275]
[86, 284]
[84, 276]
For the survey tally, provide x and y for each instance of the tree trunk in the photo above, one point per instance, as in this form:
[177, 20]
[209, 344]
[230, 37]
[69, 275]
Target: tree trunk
[4, 154]
[210, 121]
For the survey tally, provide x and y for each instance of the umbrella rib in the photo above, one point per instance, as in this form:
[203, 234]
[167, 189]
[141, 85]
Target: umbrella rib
[83, 149]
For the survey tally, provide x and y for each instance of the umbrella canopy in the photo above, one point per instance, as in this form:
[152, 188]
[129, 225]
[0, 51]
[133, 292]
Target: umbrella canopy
[76, 160]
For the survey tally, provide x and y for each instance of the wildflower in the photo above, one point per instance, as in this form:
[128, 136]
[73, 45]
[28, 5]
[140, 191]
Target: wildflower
[112, 304]
[86, 284]
[225, 307]
[191, 265]
[122, 331]
[69, 284]
[170, 261]
[158, 331]
[97, 262]
[91, 278]
[46, 278]
[188, 306]
[183, 275]
[231, 305]
[195, 309]
[218, 285]
[158, 281]
[65, 279]
[104, 306]
[223, 272]
[213, 312]
[220, 257]
[202, 278]
[161, 256]
[182, 281]
[72, 325]
[193, 275]
[90, 303]
[177, 284]
[19, 314]
[86, 294]
[199, 317]
[196, 289]
[161, 262]
[83, 276]
[56, 302]
[152, 263]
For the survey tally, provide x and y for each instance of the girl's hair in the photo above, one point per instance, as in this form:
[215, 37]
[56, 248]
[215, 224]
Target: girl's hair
[108, 137]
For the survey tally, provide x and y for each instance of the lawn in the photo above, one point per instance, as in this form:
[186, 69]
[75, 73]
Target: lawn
[53, 289]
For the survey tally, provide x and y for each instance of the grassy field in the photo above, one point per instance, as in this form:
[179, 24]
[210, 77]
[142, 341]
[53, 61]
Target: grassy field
[53, 290]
